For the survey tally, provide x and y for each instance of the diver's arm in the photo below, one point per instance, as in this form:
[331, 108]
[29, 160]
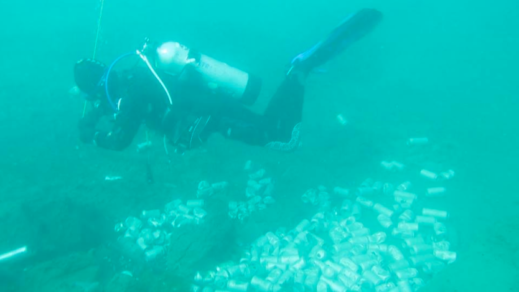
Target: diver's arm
[126, 124]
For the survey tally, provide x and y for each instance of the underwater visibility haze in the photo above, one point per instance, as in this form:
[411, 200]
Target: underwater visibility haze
[401, 174]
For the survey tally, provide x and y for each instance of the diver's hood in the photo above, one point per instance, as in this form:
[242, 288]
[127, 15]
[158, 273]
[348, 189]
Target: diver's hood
[88, 75]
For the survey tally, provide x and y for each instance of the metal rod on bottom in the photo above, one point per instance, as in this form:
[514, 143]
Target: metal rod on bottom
[13, 253]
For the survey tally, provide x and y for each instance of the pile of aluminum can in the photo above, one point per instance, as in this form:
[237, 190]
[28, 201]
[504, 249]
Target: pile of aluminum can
[380, 237]
[322, 197]
[147, 237]
[206, 189]
[258, 193]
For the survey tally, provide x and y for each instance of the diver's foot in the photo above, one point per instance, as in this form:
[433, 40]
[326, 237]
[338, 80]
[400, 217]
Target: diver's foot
[349, 31]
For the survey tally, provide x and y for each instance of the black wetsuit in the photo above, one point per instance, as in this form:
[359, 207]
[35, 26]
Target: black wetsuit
[196, 113]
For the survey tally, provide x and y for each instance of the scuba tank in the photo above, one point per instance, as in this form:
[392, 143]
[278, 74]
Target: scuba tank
[172, 58]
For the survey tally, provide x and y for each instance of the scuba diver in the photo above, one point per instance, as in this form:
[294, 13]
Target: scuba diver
[188, 96]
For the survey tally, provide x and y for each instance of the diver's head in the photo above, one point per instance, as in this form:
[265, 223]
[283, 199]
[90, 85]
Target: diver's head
[90, 77]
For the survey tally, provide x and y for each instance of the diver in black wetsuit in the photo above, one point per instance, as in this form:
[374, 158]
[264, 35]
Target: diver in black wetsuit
[195, 113]
[188, 96]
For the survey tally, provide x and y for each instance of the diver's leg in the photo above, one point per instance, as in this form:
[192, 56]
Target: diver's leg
[352, 29]
[236, 122]
[285, 109]
[284, 112]
[279, 126]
